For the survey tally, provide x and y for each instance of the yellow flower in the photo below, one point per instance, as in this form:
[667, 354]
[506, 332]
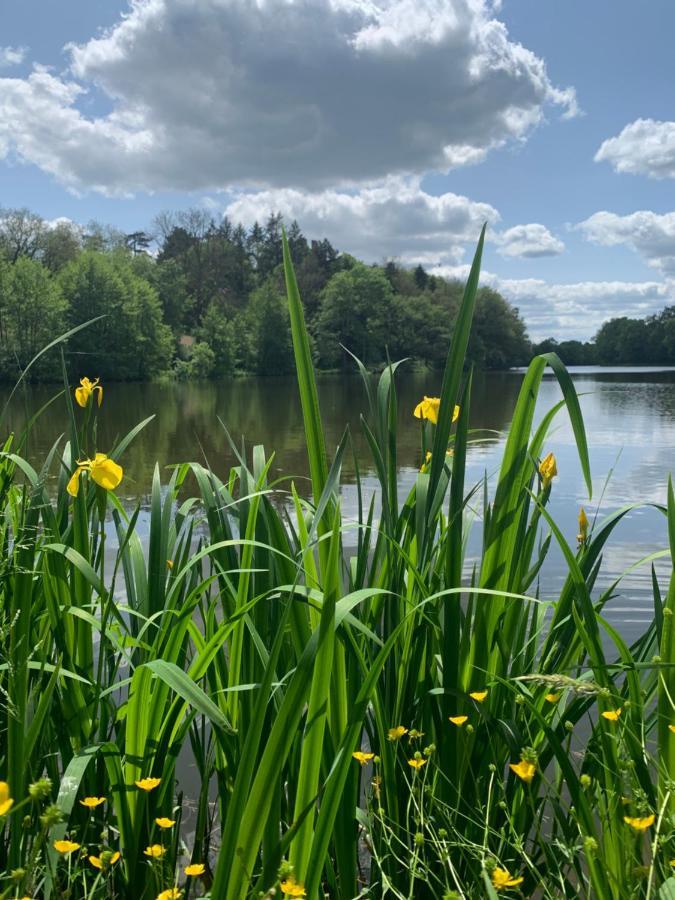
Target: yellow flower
[163, 822]
[395, 734]
[478, 696]
[194, 869]
[154, 851]
[671, 728]
[417, 763]
[428, 409]
[363, 758]
[6, 802]
[414, 734]
[148, 784]
[92, 802]
[612, 714]
[548, 469]
[105, 472]
[583, 526]
[103, 863]
[502, 879]
[525, 770]
[87, 389]
[458, 720]
[292, 888]
[170, 894]
[169, 564]
[640, 823]
[552, 698]
[66, 847]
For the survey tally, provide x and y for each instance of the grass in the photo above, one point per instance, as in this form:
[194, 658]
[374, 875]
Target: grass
[509, 742]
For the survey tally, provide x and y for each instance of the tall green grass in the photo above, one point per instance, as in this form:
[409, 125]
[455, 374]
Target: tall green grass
[240, 637]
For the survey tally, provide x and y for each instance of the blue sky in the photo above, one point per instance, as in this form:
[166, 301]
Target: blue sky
[394, 130]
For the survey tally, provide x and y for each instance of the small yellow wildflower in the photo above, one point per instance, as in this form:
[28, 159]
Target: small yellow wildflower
[100, 862]
[148, 784]
[194, 870]
[163, 822]
[104, 471]
[87, 389]
[173, 893]
[6, 802]
[582, 537]
[671, 728]
[169, 564]
[612, 714]
[478, 696]
[414, 734]
[417, 763]
[552, 698]
[395, 734]
[458, 720]
[292, 888]
[548, 469]
[525, 770]
[428, 408]
[640, 823]
[502, 879]
[66, 847]
[363, 758]
[154, 851]
[92, 802]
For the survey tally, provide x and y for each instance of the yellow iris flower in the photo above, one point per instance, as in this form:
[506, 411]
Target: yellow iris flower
[87, 389]
[428, 408]
[6, 802]
[548, 469]
[104, 471]
[582, 537]
[502, 879]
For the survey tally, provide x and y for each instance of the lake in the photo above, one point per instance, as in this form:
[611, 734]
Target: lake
[629, 415]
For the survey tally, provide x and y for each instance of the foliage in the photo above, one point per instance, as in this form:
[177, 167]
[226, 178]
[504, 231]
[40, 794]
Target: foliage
[392, 719]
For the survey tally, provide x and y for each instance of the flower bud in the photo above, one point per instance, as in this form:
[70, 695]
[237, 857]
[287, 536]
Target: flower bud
[40, 790]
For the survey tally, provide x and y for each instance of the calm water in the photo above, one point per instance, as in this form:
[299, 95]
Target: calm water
[629, 415]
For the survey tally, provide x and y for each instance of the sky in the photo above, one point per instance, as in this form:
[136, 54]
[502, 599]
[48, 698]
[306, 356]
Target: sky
[395, 128]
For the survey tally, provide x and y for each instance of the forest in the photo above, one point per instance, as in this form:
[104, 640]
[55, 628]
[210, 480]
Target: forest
[198, 298]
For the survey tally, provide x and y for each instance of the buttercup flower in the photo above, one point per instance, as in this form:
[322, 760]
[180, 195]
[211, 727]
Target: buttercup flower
[583, 526]
[612, 714]
[92, 802]
[671, 728]
[148, 784]
[640, 823]
[552, 698]
[154, 851]
[66, 847]
[170, 894]
[163, 822]
[458, 720]
[395, 734]
[525, 770]
[292, 888]
[6, 802]
[363, 758]
[104, 471]
[502, 879]
[105, 860]
[87, 389]
[478, 696]
[548, 469]
[194, 870]
[428, 408]
[417, 763]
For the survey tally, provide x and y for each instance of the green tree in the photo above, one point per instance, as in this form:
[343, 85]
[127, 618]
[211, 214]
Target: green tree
[623, 341]
[218, 333]
[499, 338]
[267, 345]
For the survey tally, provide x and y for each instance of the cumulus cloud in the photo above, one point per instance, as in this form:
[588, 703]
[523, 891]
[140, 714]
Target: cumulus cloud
[644, 147]
[648, 233]
[11, 56]
[529, 241]
[396, 218]
[279, 93]
[571, 311]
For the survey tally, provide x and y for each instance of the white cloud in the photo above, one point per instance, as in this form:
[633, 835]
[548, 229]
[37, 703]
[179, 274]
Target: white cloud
[567, 311]
[644, 147]
[12, 56]
[529, 241]
[648, 233]
[279, 93]
[395, 218]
